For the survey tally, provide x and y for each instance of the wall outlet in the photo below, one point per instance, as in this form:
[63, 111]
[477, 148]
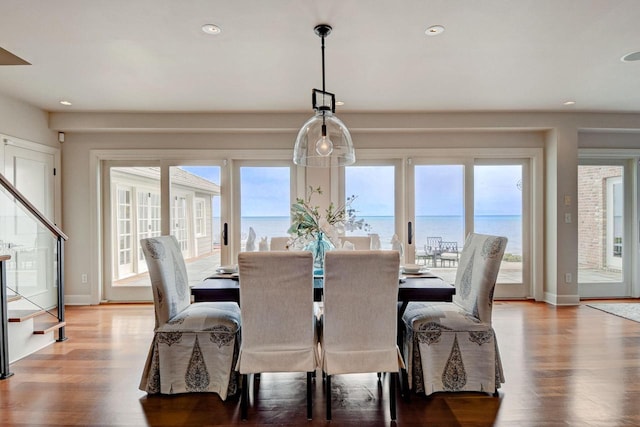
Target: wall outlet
[567, 218]
[84, 278]
[567, 277]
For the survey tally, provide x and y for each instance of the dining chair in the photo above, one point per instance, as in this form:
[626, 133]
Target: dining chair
[278, 321]
[448, 253]
[452, 346]
[360, 243]
[360, 317]
[432, 249]
[195, 345]
[279, 243]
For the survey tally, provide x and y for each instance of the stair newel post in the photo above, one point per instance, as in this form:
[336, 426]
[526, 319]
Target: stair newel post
[60, 274]
[4, 321]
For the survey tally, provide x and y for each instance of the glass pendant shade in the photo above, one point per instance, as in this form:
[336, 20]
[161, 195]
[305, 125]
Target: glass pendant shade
[324, 141]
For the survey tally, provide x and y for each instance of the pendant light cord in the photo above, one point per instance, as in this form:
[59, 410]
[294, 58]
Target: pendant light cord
[324, 126]
[322, 48]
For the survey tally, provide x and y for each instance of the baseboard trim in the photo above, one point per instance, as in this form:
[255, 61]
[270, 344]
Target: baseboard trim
[77, 299]
[561, 300]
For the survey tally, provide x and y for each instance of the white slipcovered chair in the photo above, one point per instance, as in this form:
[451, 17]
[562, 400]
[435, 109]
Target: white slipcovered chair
[194, 346]
[360, 243]
[278, 322]
[452, 346]
[359, 324]
[279, 243]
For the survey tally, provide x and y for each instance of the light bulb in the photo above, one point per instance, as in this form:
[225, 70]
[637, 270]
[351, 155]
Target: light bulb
[324, 146]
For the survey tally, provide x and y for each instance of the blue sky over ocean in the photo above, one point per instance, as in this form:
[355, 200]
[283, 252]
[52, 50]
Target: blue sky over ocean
[439, 189]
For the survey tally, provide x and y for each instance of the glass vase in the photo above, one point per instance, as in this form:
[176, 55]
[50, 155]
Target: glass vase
[318, 248]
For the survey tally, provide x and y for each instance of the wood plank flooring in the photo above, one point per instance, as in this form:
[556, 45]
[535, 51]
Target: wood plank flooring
[564, 366]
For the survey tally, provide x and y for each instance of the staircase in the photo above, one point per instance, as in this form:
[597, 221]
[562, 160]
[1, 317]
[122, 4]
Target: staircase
[29, 328]
[31, 266]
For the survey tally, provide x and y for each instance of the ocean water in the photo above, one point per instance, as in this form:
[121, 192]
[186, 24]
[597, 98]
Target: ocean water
[450, 228]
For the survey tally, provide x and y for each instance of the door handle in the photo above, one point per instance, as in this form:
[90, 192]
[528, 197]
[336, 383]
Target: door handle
[410, 232]
[225, 236]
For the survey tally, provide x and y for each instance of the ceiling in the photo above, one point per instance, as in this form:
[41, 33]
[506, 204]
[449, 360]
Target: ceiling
[152, 56]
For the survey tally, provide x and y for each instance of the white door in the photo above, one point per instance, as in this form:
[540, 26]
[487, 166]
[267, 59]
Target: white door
[32, 173]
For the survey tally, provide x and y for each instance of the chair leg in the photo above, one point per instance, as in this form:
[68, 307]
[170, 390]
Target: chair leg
[403, 379]
[379, 376]
[392, 394]
[309, 395]
[244, 399]
[328, 396]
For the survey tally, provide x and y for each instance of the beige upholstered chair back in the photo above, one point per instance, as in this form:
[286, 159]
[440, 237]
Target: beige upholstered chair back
[360, 311]
[477, 273]
[278, 243]
[168, 274]
[276, 304]
[360, 243]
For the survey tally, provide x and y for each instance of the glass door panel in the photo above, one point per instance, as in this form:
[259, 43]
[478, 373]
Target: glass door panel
[265, 205]
[439, 217]
[372, 212]
[134, 200]
[498, 209]
[135, 213]
[601, 230]
[195, 217]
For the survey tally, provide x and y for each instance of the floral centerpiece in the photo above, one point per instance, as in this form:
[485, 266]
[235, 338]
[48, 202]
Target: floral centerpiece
[309, 223]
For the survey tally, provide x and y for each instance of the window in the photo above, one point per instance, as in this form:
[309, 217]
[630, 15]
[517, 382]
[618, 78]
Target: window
[199, 217]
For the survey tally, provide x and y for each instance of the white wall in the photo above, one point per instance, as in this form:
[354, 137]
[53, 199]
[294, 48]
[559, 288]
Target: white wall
[24, 121]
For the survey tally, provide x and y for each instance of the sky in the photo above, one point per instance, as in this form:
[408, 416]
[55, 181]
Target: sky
[439, 189]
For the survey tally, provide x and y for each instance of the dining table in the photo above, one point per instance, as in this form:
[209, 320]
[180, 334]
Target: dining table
[417, 287]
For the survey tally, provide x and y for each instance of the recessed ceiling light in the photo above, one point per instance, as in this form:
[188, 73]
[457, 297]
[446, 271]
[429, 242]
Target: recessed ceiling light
[339, 102]
[211, 29]
[630, 57]
[67, 103]
[434, 30]
[569, 103]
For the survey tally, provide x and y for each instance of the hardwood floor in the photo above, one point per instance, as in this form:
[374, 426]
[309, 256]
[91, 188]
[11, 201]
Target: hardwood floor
[564, 366]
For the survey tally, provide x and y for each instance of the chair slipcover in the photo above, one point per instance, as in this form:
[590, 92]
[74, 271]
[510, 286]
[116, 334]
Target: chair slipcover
[278, 322]
[360, 243]
[360, 315]
[452, 346]
[195, 345]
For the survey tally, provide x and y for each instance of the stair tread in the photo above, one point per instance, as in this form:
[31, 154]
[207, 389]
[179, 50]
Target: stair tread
[13, 297]
[22, 315]
[43, 326]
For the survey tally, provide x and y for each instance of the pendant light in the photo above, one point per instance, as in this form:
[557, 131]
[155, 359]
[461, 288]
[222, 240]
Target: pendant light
[323, 141]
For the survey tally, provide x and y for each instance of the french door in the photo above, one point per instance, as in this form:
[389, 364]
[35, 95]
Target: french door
[145, 200]
[441, 200]
[263, 193]
[375, 207]
[451, 198]
[605, 224]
